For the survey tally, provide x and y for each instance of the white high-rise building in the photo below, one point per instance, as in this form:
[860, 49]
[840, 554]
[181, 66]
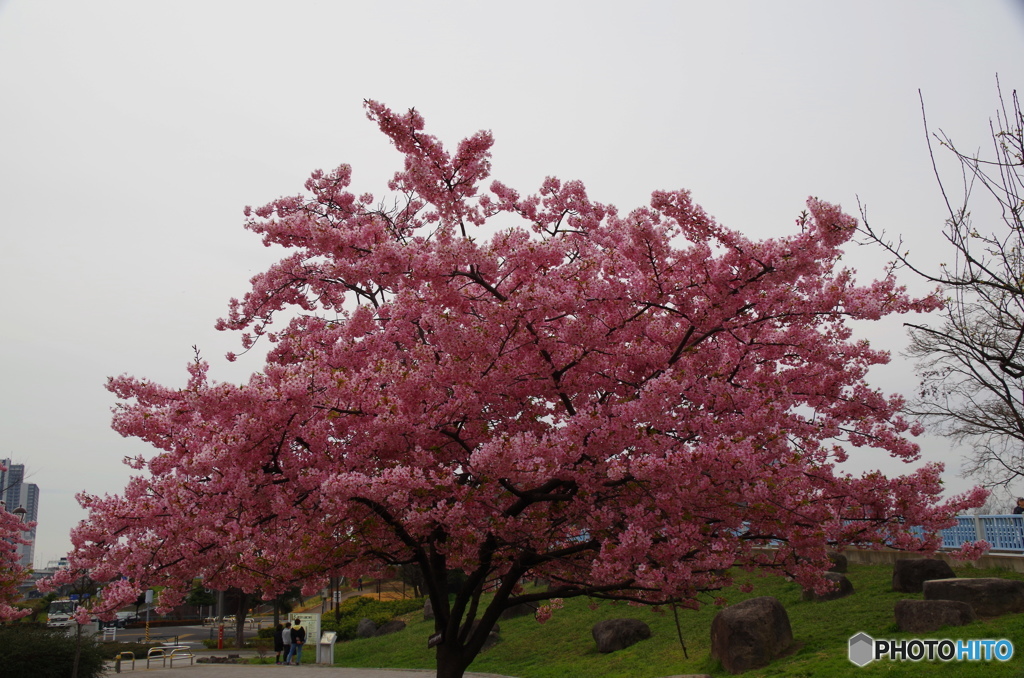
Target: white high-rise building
[14, 492]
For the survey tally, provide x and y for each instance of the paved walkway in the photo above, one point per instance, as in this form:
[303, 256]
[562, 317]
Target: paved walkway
[184, 670]
[268, 670]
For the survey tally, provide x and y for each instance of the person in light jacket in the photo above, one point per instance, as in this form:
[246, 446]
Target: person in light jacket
[286, 641]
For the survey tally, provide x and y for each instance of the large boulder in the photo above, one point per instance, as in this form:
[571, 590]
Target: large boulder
[909, 575]
[840, 563]
[493, 637]
[476, 624]
[990, 597]
[618, 634]
[925, 616]
[428, 610]
[392, 626]
[750, 634]
[842, 589]
[366, 628]
[519, 610]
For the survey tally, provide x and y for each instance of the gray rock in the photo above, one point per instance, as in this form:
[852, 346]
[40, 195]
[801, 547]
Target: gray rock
[492, 639]
[618, 634]
[518, 611]
[843, 588]
[909, 575]
[476, 624]
[990, 597]
[925, 616]
[839, 562]
[392, 626]
[366, 628]
[750, 634]
[428, 610]
[230, 659]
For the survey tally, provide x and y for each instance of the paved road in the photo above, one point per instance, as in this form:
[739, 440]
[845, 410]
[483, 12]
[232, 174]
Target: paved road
[192, 635]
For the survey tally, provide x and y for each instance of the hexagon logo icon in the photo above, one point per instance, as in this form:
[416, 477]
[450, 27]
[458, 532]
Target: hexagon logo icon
[862, 649]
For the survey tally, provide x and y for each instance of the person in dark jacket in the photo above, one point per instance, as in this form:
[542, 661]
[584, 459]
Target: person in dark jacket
[298, 640]
[278, 642]
[1019, 508]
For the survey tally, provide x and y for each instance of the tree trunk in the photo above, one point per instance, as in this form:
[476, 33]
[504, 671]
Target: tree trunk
[243, 604]
[78, 650]
[451, 662]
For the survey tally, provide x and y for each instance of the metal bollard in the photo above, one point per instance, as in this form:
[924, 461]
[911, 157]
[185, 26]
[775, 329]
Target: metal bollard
[117, 663]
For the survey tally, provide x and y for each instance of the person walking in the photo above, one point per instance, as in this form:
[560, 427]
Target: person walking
[286, 641]
[278, 642]
[298, 640]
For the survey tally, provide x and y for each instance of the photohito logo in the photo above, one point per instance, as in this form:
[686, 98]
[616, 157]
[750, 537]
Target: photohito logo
[864, 649]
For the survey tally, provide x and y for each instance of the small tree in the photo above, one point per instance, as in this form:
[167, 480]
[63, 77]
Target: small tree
[12, 574]
[285, 602]
[624, 405]
[38, 607]
[972, 360]
[412, 576]
[200, 596]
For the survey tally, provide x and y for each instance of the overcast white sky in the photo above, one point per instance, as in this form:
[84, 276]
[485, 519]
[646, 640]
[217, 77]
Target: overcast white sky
[133, 133]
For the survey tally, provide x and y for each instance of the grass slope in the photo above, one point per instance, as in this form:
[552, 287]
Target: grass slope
[564, 646]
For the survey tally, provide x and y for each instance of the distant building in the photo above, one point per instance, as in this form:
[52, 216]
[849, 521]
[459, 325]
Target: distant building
[14, 492]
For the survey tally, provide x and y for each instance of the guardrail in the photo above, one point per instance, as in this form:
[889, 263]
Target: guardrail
[175, 653]
[1003, 532]
[121, 656]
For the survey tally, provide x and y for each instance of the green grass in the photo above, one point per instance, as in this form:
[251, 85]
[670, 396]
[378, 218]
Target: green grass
[564, 645]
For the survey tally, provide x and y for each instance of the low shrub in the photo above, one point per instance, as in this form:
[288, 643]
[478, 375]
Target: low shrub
[359, 604]
[350, 611]
[46, 653]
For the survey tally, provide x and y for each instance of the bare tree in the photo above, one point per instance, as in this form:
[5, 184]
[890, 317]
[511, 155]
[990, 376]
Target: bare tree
[971, 361]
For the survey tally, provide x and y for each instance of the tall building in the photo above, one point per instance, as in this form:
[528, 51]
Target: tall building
[14, 492]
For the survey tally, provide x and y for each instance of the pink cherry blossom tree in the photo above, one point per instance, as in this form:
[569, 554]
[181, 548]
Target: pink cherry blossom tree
[12, 574]
[511, 386]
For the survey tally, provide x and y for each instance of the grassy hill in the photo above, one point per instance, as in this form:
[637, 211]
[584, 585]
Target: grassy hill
[564, 646]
